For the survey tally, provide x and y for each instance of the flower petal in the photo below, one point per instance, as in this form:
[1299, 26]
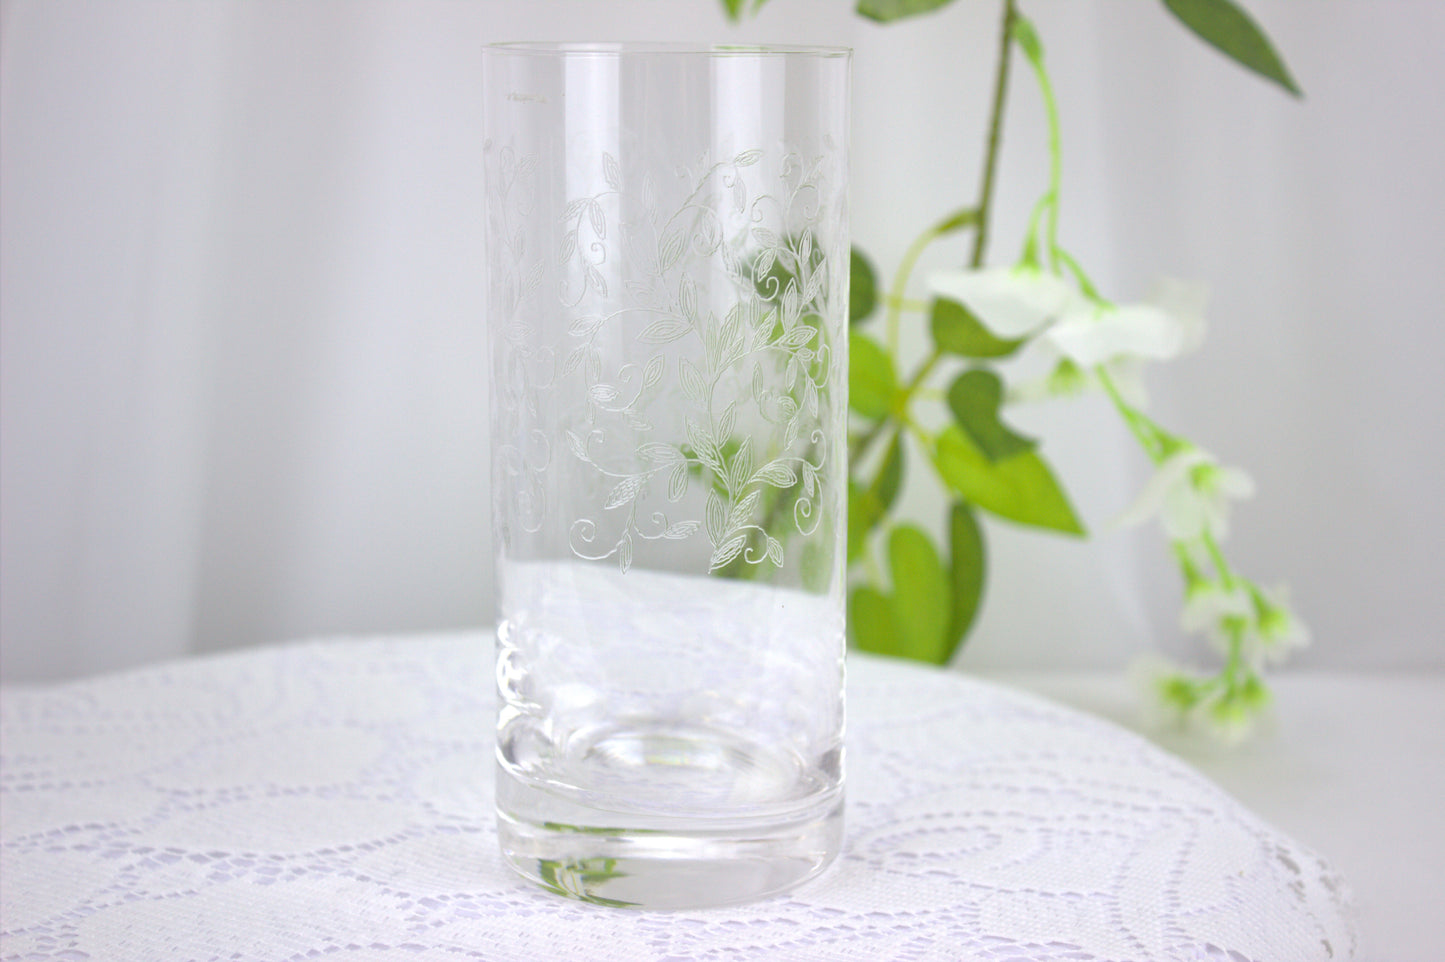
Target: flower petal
[1169, 476]
[1093, 335]
[1011, 302]
[1185, 301]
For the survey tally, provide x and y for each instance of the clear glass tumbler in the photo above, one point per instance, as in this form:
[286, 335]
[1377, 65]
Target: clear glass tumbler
[667, 238]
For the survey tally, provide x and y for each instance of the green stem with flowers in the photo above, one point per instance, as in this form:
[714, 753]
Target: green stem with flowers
[984, 465]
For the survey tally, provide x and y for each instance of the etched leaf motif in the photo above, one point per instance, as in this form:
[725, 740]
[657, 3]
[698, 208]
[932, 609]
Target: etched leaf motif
[594, 277]
[651, 374]
[681, 530]
[674, 242]
[814, 283]
[727, 551]
[577, 446]
[742, 512]
[649, 196]
[659, 453]
[775, 551]
[692, 382]
[790, 433]
[777, 473]
[790, 306]
[797, 337]
[665, 330]
[715, 516]
[766, 237]
[611, 172]
[687, 298]
[599, 223]
[765, 263]
[709, 236]
[742, 466]
[573, 360]
[728, 420]
[732, 330]
[585, 326]
[740, 195]
[677, 483]
[625, 492]
[624, 553]
[748, 157]
[702, 444]
[533, 280]
[602, 393]
[568, 247]
[573, 210]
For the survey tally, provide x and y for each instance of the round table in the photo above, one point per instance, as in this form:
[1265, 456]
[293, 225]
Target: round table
[333, 799]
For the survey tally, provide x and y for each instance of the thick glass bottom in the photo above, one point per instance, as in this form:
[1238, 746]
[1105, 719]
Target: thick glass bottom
[669, 820]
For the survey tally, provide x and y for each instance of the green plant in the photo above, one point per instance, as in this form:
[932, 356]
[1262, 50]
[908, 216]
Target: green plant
[920, 603]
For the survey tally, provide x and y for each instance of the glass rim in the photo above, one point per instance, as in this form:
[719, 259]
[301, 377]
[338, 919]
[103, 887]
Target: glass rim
[663, 47]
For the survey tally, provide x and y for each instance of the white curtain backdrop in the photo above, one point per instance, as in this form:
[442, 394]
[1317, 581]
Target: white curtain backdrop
[242, 392]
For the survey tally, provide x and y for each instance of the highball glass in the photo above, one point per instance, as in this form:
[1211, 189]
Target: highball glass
[667, 259]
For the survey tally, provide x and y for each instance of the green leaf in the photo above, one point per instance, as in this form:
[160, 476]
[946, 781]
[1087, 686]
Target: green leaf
[872, 383]
[886, 11]
[967, 564]
[974, 398]
[734, 9]
[1020, 488]
[890, 473]
[868, 504]
[922, 598]
[870, 621]
[1226, 26]
[1028, 39]
[862, 287]
[957, 330]
[864, 512]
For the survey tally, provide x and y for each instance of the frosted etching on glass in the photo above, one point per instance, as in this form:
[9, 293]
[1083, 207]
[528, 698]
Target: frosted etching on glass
[749, 377]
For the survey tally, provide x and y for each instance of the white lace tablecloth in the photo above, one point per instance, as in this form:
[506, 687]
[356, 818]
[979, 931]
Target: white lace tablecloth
[334, 799]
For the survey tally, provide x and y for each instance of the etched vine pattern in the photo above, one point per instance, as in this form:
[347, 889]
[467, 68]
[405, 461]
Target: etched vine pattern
[511, 188]
[776, 320]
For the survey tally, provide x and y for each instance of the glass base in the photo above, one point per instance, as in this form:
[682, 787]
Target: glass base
[647, 841]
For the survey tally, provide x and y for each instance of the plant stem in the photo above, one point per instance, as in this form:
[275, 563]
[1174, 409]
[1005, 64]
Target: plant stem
[894, 298]
[1145, 431]
[995, 129]
[1056, 165]
[859, 446]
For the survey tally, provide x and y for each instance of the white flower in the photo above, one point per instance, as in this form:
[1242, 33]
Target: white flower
[1092, 334]
[1066, 380]
[1190, 492]
[1213, 608]
[1277, 629]
[1010, 301]
[1089, 335]
[1185, 302]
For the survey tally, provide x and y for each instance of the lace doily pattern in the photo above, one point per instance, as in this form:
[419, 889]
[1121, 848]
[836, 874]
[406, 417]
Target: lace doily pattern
[334, 799]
